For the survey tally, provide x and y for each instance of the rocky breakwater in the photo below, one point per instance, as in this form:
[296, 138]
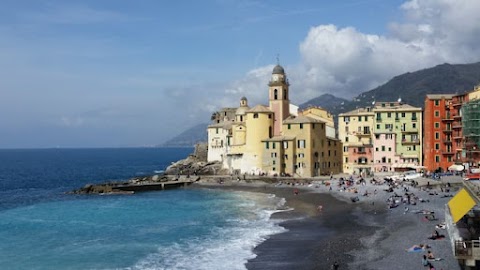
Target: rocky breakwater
[196, 164]
[146, 183]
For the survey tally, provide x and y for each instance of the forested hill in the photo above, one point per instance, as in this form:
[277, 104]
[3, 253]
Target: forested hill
[411, 87]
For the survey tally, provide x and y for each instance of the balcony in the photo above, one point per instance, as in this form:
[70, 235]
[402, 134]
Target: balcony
[447, 141]
[448, 152]
[447, 130]
[410, 130]
[457, 103]
[410, 142]
[456, 126]
[448, 118]
[363, 134]
[457, 117]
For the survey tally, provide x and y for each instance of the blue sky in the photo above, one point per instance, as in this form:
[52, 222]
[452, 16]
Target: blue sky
[136, 73]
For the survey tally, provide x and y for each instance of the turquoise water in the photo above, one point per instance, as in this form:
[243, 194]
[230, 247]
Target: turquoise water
[175, 229]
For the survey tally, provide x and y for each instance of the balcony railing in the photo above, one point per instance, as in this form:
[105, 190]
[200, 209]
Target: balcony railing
[410, 130]
[447, 130]
[410, 142]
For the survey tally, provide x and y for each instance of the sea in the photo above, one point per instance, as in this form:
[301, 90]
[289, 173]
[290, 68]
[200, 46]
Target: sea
[42, 227]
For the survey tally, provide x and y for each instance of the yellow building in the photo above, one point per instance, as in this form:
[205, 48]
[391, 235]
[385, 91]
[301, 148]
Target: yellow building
[275, 140]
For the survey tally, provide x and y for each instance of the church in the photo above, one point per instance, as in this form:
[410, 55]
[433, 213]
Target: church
[278, 139]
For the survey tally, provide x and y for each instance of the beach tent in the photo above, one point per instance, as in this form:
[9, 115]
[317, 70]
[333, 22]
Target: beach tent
[456, 167]
[460, 204]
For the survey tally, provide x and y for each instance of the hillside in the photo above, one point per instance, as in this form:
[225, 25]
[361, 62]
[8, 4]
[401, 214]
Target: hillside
[189, 137]
[412, 87]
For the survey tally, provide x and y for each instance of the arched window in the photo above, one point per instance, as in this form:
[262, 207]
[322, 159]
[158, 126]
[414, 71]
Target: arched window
[275, 94]
[285, 94]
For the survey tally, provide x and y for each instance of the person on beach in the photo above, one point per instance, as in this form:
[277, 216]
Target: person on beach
[335, 266]
[426, 263]
[430, 255]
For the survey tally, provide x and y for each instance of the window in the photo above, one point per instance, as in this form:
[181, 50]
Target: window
[437, 125]
[345, 149]
[383, 147]
[437, 159]
[273, 145]
[255, 115]
[414, 116]
[301, 125]
[346, 129]
[346, 119]
[275, 94]
[389, 126]
[366, 118]
[437, 136]
[437, 146]
[389, 115]
[285, 94]
[216, 130]
[378, 126]
[437, 113]
[267, 145]
[301, 143]
[285, 145]
[269, 116]
[273, 155]
[437, 102]
[313, 125]
[286, 156]
[414, 125]
[288, 126]
[377, 136]
[389, 149]
[403, 115]
[379, 115]
[360, 118]
[388, 136]
[346, 139]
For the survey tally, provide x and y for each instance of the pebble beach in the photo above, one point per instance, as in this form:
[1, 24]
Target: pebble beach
[353, 225]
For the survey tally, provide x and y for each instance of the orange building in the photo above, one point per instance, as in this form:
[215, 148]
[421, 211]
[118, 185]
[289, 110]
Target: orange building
[438, 149]
[457, 126]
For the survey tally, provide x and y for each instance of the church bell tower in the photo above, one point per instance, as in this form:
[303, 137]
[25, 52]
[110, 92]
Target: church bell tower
[279, 98]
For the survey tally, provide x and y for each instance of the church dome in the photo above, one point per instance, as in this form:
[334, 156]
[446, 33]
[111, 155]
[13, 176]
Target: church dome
[278, 70]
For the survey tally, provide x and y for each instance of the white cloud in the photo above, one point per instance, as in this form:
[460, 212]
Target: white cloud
[346, 62]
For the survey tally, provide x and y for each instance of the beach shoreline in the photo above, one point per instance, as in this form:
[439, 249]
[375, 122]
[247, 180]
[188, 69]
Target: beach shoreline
[357, 235]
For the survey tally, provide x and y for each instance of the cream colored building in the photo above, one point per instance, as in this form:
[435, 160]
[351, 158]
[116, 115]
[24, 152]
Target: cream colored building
[276, 139]
[355, 130]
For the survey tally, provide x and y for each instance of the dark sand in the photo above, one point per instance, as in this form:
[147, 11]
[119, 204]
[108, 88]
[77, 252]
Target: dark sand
[315, 239]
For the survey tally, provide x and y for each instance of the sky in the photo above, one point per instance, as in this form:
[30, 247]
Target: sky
[108, 73]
